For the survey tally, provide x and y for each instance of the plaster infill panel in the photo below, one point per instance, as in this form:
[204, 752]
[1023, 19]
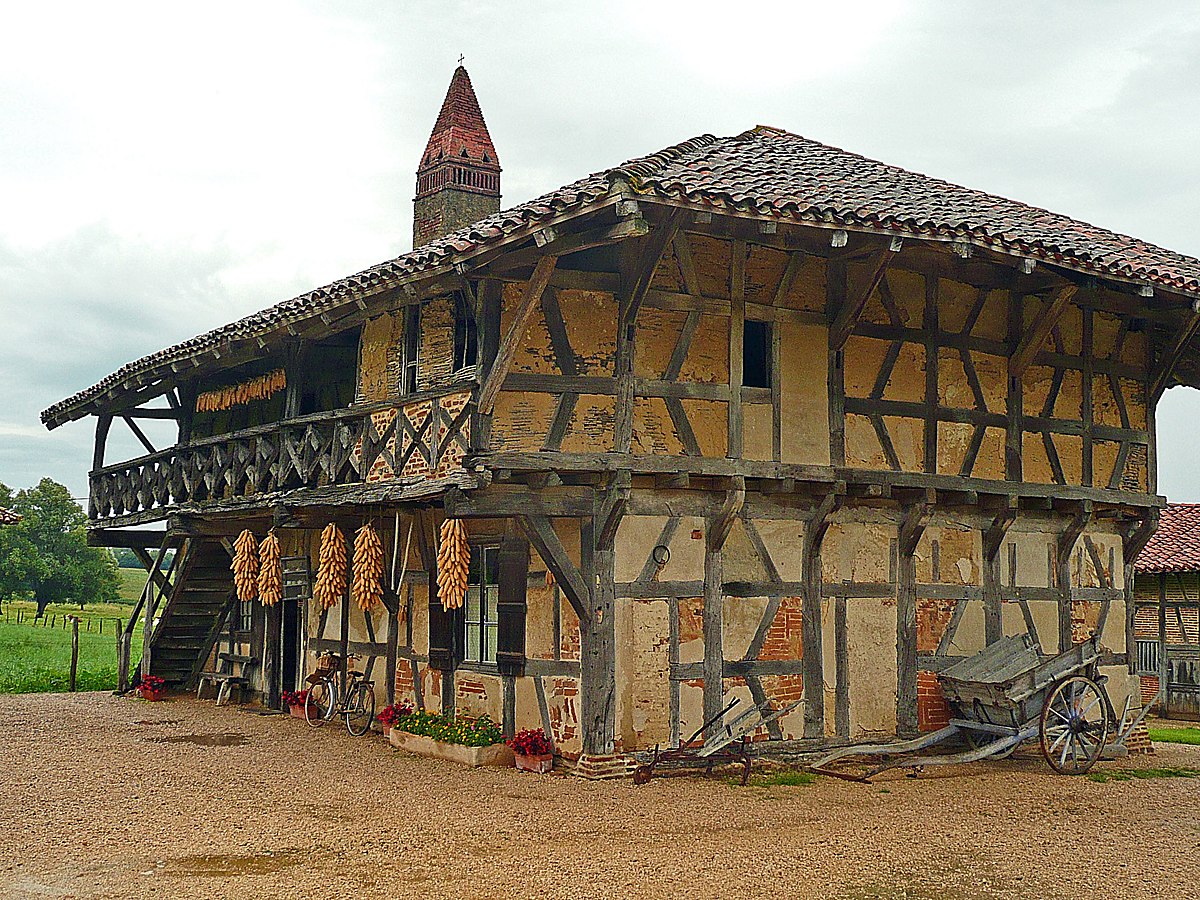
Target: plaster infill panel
[871, 646]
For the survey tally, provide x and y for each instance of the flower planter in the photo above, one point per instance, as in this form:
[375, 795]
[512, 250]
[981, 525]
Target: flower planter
[296, 710]
[491, 755]
[152, 696]
[541, 763]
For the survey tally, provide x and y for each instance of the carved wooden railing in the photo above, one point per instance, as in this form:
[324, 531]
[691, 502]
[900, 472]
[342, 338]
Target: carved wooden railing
[425, 438]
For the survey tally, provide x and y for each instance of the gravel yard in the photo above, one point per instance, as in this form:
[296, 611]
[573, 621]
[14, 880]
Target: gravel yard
[109, 797]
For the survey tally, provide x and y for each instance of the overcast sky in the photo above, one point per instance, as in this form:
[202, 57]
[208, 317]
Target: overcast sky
[166, 168]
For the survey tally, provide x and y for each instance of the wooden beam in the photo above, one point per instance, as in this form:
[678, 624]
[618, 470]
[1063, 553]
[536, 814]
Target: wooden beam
[856, 302]
[1022, 358]
[811, 636]
[993, 538]
[545, 540]
[563, 244]
[613, 503]
[722, 523]
[1062, 569]
[512, 339]
[656, 245]
[912, 526]
[139, 434]
[142, 413]
[1170, 358]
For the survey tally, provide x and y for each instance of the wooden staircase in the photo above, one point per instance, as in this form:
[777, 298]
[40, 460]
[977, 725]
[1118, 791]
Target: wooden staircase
[185, 608]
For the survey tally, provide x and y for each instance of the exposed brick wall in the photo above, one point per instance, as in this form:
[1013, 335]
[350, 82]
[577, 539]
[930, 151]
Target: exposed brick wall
[563, 697]
[435, 356]
[1149, 686]
[932, 711]
[784, 638]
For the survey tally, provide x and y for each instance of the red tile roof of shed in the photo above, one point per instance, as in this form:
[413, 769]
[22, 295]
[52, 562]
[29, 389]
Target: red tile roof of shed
[1175, 547]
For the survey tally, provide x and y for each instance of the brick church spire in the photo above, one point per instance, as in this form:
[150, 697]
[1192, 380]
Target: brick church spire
[458, 179]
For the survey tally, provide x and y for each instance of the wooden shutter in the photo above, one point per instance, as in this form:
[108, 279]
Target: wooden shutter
[514, 578]
[441, 629]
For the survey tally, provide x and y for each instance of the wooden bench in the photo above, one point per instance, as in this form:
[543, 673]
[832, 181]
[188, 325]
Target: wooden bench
[224, 679]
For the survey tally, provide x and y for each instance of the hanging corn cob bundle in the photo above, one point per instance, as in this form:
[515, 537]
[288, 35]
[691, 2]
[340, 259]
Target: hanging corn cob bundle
[331, 568]
[453, 560]
[245, 566]
[270, 571]
[367, 585]
[259, 388]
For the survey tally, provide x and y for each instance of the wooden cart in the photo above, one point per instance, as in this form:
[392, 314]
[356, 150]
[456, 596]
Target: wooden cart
[1003, 696]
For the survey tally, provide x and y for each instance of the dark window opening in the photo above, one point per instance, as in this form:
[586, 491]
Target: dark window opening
[466, 335]
[481, 613]
[330, 374]
[756, 354]
[412, 341]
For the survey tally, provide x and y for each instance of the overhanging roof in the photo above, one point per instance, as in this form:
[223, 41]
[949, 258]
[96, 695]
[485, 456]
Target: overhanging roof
[764, 172]
[1175, 546]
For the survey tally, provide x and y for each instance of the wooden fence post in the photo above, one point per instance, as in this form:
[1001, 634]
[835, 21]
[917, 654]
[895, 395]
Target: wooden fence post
[74, 652]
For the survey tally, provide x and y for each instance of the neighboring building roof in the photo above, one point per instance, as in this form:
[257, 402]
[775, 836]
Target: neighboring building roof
[1175, 546]
[8, 517]
[764, 171]
[460, 131]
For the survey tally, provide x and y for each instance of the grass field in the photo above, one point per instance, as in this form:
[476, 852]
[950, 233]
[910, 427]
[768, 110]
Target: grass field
[1173, 735]
[37, 657]
[132, 582]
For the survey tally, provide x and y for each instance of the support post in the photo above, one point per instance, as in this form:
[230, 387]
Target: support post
[74, 653]
[912, 526]
[1062, 570]
[597, 669]
[810, 620]
[993, 540]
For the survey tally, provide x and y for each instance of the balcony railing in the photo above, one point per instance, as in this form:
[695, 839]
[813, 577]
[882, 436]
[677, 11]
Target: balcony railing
[424, 438]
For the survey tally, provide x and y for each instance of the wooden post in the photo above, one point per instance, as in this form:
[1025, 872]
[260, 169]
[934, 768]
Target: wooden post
[1164, 672]
[74, 652]
[598, 689]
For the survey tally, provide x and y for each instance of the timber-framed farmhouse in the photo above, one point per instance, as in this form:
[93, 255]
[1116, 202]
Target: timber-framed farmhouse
[750, 416]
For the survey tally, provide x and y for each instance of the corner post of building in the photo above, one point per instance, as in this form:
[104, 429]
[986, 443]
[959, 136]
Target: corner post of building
[815, 528]
[913, 520]
[1064, 544]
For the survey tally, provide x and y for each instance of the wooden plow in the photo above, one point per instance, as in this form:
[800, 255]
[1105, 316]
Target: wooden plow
[1008, 694]
[727, 742]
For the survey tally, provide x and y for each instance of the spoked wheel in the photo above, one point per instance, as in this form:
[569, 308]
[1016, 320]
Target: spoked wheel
[316, 711]
[361, 710]
[1074, 725]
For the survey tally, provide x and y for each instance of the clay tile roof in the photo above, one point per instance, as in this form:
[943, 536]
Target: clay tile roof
[8, 517]
[460, 126]
[764, 171]
[1175, 547]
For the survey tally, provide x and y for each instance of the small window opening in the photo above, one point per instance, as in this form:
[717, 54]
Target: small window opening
[756, 354]
[412, 342]
[466, 336]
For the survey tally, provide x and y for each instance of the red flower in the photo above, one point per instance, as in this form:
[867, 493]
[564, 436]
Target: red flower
[531, 742]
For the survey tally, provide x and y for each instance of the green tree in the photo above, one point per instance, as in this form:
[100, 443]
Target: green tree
[46, 556]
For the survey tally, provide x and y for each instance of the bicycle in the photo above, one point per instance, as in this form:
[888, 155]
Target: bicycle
[355, 701]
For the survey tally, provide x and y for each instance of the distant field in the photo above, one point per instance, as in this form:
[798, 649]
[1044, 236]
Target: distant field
[37, 657]
[132, 582]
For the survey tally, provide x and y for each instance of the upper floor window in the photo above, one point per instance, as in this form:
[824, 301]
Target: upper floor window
[756, 354]
[412, 343]
[466, 337]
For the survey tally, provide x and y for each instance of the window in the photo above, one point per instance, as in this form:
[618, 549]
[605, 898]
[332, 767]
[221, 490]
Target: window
[412, 341]
[245, 620]
[481, 615]
[756, 354]
[466, 337]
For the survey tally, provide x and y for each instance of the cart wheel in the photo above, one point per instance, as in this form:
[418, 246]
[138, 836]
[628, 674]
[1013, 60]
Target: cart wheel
[1074, 725]
[641, 774]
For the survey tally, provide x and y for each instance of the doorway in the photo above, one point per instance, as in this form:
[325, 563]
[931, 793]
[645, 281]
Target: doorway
[292, 646]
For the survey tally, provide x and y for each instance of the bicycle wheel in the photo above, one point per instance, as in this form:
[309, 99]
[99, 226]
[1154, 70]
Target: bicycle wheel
[360, 711]
[317, 709]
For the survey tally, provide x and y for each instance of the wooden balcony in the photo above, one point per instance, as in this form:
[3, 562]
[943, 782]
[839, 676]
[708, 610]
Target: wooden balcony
[424, 439]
